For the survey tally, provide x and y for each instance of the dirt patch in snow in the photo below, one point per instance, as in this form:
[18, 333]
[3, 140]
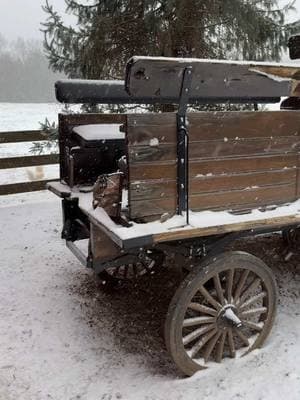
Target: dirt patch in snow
[135, 312]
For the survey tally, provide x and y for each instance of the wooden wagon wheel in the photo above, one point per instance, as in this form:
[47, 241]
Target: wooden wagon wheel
[143, 264]
[223, 308]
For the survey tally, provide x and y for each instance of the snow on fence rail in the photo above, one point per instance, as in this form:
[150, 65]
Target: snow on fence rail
[24, 161]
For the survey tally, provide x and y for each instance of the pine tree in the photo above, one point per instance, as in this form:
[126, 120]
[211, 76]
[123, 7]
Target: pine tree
[109, 32]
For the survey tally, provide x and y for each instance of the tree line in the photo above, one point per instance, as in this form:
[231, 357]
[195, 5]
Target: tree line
[25, 76]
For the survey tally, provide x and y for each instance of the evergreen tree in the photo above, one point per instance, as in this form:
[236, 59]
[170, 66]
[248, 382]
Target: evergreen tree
[109, 32]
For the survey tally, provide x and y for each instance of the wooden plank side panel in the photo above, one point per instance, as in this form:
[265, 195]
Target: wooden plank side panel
[216, 149]
[232, 200]
[167, 188]
[236, 160]
[142, 128]
[148, 171]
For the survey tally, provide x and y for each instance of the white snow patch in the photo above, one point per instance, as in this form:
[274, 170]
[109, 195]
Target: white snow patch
[99, 131]
[270, 76]
[154, 142]
[252, 64]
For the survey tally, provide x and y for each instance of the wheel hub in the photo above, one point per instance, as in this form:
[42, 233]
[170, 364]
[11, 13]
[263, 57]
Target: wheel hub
[228, 317]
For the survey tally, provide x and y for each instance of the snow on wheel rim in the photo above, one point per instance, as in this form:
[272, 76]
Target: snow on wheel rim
[224, 311]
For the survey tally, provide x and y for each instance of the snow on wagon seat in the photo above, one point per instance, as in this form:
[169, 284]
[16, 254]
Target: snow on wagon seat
[92, 134]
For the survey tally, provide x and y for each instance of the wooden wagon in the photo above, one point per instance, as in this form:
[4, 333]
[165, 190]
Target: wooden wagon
[143, 186]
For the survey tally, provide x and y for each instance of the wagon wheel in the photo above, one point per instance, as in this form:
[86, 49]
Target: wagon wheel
[145, 263]
[223, 308]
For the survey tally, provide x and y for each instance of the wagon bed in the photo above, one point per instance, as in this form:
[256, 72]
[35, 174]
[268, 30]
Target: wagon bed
[205, 223]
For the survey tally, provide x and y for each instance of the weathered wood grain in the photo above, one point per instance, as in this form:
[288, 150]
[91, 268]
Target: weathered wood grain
[86, 119]
[103, 247]
[167, 188]
[28, 161]
[221, 229]
[23, 187]
[230, 155]
[213, 126]
[21, 136]
[162, 77]
[219, 200]
[160, 170]
[216, 149]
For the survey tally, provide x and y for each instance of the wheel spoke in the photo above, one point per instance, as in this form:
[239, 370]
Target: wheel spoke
[198, 346]
[209, 298]
[241, 284]
[198, 332]
[254, 311]
[135, 270]
[148, 267]
[202, 309]
[211, 345]
[219, 289]
[254, 285]
[231, 343]
[242, 337]
[252, 300]
[220, 347]
[255, 326]
[198, 321]
[229, 285]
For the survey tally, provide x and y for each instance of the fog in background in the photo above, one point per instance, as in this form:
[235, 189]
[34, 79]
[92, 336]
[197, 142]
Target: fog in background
[24, 73]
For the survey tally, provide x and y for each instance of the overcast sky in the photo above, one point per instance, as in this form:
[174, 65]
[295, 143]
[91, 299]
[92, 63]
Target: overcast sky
[21, 18]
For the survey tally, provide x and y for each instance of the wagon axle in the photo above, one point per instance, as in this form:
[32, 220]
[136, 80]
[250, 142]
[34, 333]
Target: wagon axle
[228, 317]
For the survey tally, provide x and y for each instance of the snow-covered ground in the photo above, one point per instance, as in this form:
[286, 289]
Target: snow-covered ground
[62, 337]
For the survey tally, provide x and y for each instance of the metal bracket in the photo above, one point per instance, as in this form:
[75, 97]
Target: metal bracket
[183, 145]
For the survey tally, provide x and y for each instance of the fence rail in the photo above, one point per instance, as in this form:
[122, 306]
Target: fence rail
[24, 161]
[21, 136]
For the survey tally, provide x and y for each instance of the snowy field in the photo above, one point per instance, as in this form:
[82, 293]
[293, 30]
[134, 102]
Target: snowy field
[62, 337]
[21, 117]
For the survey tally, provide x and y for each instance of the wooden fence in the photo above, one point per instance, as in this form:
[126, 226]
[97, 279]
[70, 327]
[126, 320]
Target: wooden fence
[24, 161]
